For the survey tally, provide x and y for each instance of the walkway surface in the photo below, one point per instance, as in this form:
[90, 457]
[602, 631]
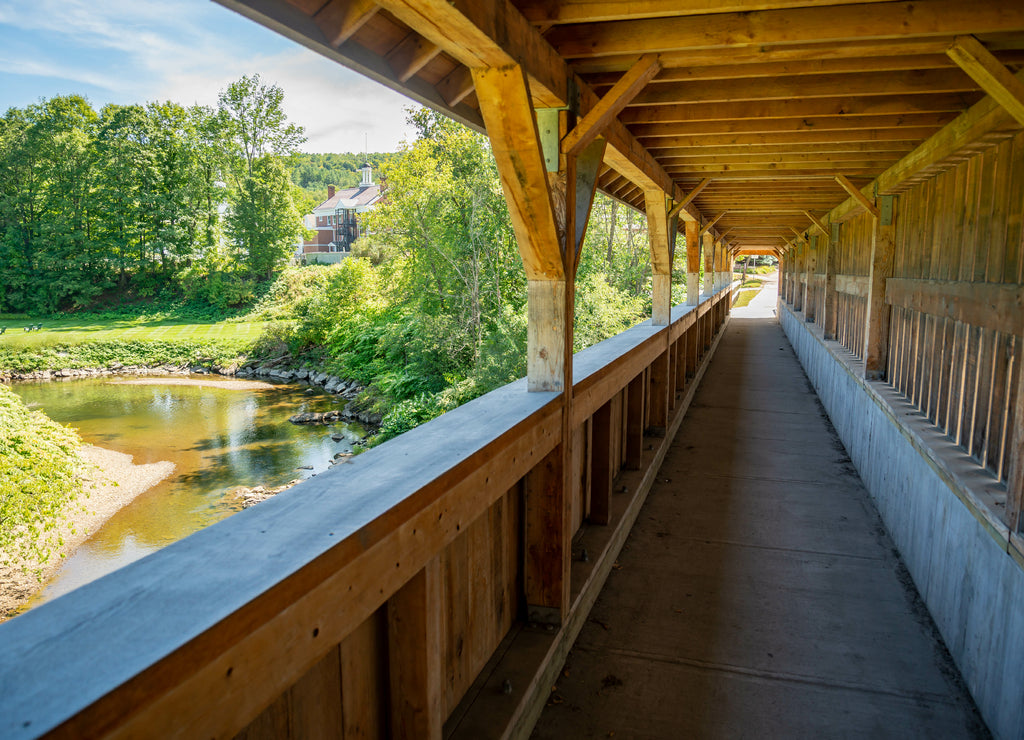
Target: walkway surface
[758, 595]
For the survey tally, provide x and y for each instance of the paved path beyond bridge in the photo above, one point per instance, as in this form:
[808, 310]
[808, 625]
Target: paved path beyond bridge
[758, 595]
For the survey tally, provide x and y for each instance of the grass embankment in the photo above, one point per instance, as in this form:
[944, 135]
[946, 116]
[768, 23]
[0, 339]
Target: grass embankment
[95, 342]
[747, 291]
[38, 482]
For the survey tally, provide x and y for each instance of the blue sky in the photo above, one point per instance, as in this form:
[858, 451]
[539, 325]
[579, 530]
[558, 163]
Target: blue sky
[135, 51]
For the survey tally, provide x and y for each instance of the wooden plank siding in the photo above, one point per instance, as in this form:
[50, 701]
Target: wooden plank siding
[956, 297]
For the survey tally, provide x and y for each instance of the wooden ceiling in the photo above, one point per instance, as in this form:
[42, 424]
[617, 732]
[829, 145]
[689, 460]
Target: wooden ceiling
[756, 106]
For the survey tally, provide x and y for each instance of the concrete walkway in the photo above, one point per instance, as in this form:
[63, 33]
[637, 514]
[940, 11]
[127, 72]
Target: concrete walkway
[758, 595]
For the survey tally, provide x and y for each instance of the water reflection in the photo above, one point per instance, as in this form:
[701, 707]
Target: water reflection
[217, 438]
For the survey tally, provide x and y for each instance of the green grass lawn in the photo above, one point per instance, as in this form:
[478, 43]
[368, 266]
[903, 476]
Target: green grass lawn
[77, 330]
[745, 297]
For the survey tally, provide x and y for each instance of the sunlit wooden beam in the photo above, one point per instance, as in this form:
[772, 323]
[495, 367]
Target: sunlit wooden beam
[712, 222]
[989, 72]
[817, 222]
[608, 107]
[857, 195]
[688, 197]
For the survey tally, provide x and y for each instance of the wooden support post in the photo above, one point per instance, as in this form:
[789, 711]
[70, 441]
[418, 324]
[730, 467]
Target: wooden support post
[635, 403]
[601, 473]
[548, 539]
[660, 380]
[709, 264]
[549, 197]
[692, 264]
[415, 648]
[810, 302]
[831, 305]
[876, 328]
[660, 236]
[515, 142]
[547, 325]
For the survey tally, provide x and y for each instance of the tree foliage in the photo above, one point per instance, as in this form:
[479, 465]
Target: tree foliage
[128, 202]
[38, 461]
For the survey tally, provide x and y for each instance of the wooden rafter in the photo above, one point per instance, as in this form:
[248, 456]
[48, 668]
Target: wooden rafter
[608, 107]
[340, 19]
[878, 105]
[712, 222]
[589, 11]
[987, 71]
[411, 55]
[810, 86]
[830, 24]
[857, 195]
[817, 222]
[689, 197]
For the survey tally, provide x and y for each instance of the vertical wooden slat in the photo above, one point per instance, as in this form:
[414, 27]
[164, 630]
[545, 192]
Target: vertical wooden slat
[415, 650]
[364, 679]
[601, 472]
[635, 423]
[659, 394]
[315, 699]
[547, 540]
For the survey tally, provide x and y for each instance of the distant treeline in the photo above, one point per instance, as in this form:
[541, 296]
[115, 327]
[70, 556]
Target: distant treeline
[314, 172]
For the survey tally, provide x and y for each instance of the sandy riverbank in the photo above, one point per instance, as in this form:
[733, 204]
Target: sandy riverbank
[111, 481]
[231, 385]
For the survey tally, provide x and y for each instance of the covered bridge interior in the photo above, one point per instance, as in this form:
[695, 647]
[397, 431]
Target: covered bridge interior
[876, 148]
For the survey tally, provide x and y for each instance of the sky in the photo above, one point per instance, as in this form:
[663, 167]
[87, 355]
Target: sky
[186, 51]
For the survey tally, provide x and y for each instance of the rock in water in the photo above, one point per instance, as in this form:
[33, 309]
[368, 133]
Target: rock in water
[310, 417]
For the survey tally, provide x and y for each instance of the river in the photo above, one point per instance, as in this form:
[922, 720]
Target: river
[218, 439]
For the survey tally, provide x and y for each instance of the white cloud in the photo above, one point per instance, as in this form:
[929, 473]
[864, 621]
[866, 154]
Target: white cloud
[188, 51]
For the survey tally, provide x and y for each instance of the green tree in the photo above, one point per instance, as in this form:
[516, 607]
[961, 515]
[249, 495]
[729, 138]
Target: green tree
[453, 252]
[262, 222]
[258, 123]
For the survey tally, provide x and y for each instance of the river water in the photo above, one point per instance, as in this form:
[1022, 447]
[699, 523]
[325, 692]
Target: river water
[218, 439]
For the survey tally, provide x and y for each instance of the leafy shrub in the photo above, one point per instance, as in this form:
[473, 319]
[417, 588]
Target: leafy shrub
[38, 459]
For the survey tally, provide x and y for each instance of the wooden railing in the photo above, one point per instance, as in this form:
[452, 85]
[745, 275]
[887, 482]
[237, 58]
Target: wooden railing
[376, 599]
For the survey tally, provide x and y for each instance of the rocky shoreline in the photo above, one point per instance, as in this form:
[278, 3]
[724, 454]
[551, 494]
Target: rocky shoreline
[274, 370]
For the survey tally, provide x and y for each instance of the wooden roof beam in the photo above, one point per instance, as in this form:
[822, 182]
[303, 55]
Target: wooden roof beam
[547, 13]
[608, 107]
[869, 84]
[857, 195]
[987, 71]
[876, 105]
[340, 19]
[652, 132]
[829, 24]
